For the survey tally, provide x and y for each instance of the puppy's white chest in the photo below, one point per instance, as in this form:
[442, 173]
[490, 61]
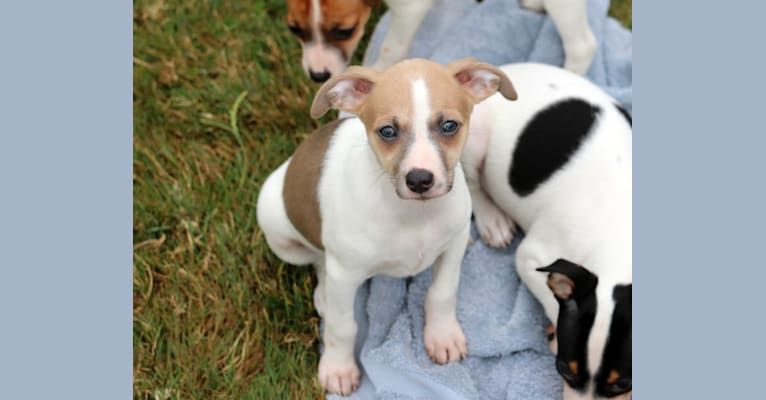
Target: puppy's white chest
[410, 251]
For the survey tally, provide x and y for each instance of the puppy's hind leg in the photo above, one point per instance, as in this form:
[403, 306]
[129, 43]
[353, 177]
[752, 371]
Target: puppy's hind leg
[406, 16]
[529, 257]
[320, 296]
[571, 20]
[283, 239]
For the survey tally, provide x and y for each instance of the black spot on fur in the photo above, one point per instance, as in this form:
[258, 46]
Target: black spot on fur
[625, 114]
[548, 142]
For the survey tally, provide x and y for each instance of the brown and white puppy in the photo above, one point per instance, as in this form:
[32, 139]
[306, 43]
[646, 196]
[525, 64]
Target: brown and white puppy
[330, 30]
[382, 193]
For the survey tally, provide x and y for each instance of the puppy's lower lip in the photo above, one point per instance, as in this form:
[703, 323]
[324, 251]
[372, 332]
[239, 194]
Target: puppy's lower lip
[421, 196]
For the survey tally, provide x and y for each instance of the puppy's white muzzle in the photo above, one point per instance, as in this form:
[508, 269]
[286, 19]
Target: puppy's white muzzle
[320, 61]
[421, 184]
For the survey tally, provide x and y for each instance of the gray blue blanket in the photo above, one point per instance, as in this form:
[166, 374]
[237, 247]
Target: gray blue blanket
[504, 324]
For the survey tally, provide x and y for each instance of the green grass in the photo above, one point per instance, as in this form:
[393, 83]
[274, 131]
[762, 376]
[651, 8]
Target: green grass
[219, 102]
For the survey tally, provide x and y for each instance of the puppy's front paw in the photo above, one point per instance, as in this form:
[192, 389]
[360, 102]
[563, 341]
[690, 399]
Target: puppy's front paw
[495, 227]
[445, 342]
[338, 375]
[534, 5]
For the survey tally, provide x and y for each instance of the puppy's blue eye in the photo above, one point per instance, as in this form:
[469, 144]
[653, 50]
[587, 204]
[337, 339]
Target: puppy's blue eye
[449, 127]
[387, 133]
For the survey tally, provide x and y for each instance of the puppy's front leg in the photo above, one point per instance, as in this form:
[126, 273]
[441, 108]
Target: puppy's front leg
[495, 226]
[338, 372]
[443, 337]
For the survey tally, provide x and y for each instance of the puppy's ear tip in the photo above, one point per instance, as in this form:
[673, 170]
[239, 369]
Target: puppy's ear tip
[320, 105]
[317, 112]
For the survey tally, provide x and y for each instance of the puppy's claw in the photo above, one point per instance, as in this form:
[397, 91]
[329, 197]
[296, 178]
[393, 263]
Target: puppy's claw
[445, 343]
[338, 375]
[495, 227]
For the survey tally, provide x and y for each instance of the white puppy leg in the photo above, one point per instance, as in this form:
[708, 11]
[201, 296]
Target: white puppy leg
[320, 298]
[534, 5]
[338, 372]
[406, 16]
[495, 227]
[529, 257]
[571, 20]
[443, 337]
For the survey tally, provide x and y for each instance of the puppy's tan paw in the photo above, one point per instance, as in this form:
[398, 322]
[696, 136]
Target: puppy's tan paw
[445, 343]
[338, 375]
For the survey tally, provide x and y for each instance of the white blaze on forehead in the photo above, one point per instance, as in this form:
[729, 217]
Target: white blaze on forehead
[317, 56]
[316, 19]
[422, 152]
[421, 108]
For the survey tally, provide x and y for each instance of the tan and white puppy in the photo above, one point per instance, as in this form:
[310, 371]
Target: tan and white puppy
[330, 30]
[383, 193]
[558, 162]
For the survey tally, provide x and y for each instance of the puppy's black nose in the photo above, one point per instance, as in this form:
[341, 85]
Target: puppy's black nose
[419, 180]
[319, 76]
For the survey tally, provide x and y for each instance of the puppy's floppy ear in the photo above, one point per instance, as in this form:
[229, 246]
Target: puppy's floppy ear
[481, 80]
[345, 92]
[568, 280]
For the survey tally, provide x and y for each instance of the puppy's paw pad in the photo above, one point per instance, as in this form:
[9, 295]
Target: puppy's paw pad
[338, 376]
[445, 343]
[495, 228]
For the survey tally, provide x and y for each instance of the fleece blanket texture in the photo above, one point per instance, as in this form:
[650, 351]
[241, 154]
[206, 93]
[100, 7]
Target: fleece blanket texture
[503, 323]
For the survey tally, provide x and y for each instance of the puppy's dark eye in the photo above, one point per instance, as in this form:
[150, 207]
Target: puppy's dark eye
[449, 127]
[296, 30]
[338, 33]
[387, 133]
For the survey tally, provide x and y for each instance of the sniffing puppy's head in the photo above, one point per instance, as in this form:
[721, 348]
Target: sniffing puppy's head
[594, 333]
[416, 114]
[329, 31]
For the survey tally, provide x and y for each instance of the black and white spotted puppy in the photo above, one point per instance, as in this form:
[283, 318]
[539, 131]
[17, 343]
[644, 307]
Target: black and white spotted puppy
[557, 162]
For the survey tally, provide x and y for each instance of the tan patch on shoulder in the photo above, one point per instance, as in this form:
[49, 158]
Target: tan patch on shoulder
[301, 183]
